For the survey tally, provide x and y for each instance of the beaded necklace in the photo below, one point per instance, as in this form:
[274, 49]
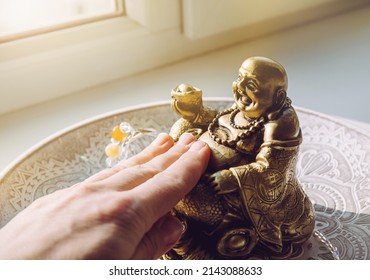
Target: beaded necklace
[249, 128]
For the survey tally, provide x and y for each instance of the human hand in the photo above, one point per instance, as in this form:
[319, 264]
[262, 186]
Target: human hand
[119, 213]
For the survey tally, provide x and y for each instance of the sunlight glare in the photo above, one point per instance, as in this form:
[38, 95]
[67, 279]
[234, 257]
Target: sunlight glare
[23, 15]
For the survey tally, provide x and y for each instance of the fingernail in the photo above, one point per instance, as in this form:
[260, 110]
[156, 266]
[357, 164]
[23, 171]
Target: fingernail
[161, 139]
[197, 146]
[172, 230]
[186, 138]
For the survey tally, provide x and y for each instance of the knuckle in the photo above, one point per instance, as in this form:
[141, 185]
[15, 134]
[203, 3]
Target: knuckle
[153, 151]
[83, 188]
[148, 169]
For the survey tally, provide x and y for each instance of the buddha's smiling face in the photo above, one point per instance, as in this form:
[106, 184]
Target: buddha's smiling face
[256, 86]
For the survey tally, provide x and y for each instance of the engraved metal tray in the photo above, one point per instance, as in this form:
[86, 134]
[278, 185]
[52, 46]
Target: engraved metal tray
[333, 167]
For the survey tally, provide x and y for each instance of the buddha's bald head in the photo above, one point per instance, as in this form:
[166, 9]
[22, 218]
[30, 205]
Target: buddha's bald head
[267, 70]
[261, 86]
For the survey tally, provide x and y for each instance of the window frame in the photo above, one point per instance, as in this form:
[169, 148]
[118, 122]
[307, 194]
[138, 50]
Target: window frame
[120, 11]
[52, 64]
[49, 65]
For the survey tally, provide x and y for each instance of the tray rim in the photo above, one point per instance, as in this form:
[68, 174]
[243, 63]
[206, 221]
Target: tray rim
[39, 145]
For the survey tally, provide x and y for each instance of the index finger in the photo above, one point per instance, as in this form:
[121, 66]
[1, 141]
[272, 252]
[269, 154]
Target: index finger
[162, 192]
[160, 145]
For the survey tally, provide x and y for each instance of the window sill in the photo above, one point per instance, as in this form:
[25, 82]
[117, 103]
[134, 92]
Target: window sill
[66, 62]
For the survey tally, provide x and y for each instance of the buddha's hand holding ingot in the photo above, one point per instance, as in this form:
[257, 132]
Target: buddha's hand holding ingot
[222, 182]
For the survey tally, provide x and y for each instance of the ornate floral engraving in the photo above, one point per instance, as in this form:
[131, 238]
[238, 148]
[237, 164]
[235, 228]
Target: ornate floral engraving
[334, 169]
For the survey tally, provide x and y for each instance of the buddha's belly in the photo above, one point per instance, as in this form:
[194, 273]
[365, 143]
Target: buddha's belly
[222, 157]
[202, 203]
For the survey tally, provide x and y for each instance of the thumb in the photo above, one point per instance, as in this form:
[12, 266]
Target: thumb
[160, 238]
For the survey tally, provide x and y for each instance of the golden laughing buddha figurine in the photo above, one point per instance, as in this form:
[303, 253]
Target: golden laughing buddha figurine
[249, 204]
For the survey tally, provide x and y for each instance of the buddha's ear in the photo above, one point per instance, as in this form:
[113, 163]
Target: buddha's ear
[280, 98]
